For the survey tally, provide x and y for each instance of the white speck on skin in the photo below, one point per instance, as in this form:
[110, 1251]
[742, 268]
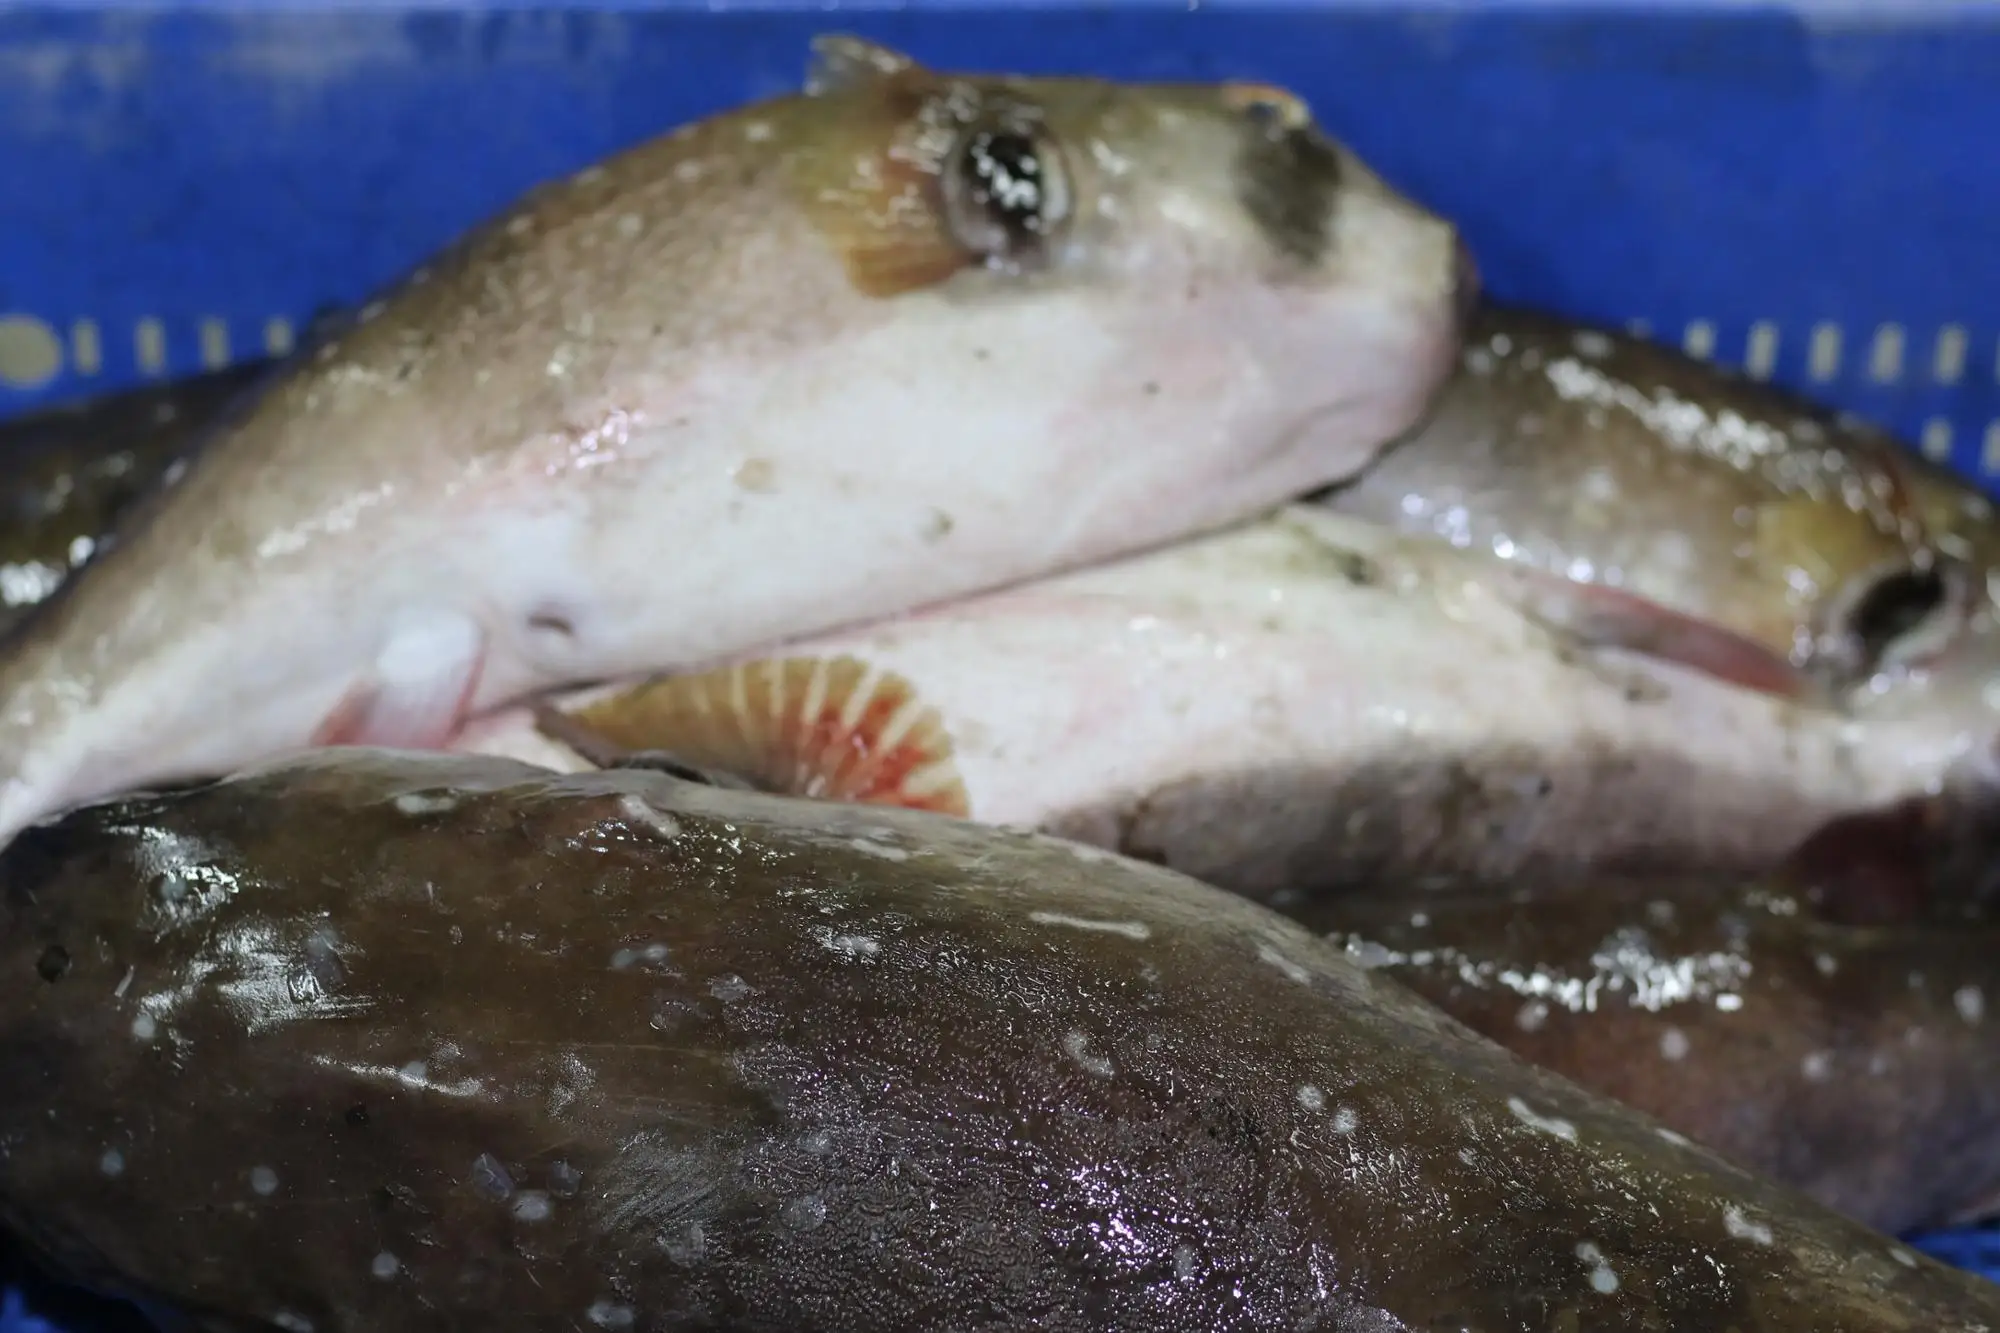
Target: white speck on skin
[590, 176]
[1903, 1257]
[385, 1265]
[414, 1074]
[627, 958]
[1742, 1228]
[1826, 963]
[1131, 930]
[1312, 1098]
[854, 946]
[637, 810]
[1602, 1279]
[1266, 953]
[292, 1323]
[1674, 1044]
[143, 1027]
[630, 225]
[1532, 1015]
[609, 1314]
[1678, 1140]
[803, 1213]
[124, 983]
[416, 803]
[490, 1177]
[1728, 1004]
[372, 312]
[757, 131]
[531, 1206]
[1817, 1066]
[728, 989]
[1970, 1002]
[1077, 1046]
[1184, 1258]
[872, 848]
[1526, 1114]
[112, 1163]
[1345, 1121]
[264, 1180]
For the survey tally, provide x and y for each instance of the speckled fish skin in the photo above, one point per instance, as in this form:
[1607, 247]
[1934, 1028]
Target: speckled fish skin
[1858, 1064]
[619, 1051]
[1843, 564]
[1295, 708]
[68, 472]
[813, 361]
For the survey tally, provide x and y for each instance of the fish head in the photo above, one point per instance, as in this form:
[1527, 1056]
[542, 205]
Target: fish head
[1212, 234]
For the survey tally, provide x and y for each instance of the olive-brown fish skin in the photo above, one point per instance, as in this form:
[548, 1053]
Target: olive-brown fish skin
[380, 1041]
[1610, 462]
[68, 473]
[1858, 1064]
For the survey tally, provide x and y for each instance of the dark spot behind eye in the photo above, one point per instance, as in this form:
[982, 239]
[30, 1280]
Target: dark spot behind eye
[1288, 181]
[552, 622]
[1894, 607]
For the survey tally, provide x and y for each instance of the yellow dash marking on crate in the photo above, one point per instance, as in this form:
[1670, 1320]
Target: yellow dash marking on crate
[86, 347]
[1948, 362]
[30, 352]
[1760, 356]
[1824, 360]
[1937, 440]
[1885, 360]
[149, 345]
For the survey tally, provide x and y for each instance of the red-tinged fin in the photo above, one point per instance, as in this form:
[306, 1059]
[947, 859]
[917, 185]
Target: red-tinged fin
[828, 728]
[872, 185]
[1594, 616]
[1867, 869]
[418, 691]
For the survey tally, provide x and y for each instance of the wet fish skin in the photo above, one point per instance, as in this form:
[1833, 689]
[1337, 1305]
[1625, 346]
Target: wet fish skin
[1295, 708]
[1805, 546]
[620, 1050]
[818, 351]
[68, 472]
[1856, 1064]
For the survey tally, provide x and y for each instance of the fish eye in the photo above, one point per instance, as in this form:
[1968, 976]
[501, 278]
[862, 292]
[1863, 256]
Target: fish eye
[1006, 192]
[1901, 619]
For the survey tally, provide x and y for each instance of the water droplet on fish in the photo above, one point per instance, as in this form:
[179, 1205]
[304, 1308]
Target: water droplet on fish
[385, 1265]
[490, 1178]
[1184, 1260]
[144, 1028]
[1674, 1044]
[1970, 1002]
[112, 1163]
[1345, 1121]
[687, 1245]
[564, 1180]
[804, 1213]
[1739, 1225]
[1312, 1098]
[609, 1314]
[531, 1206]
[729, 989]
[1077, 1046]
[1817, 1066]
[263, 1180]
[292, 1323]
[1532, 1016]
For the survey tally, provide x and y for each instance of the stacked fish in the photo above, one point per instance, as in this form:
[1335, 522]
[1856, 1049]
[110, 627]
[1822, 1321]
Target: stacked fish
[966, 702]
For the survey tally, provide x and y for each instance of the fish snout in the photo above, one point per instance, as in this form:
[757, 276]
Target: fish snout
[1467, 290]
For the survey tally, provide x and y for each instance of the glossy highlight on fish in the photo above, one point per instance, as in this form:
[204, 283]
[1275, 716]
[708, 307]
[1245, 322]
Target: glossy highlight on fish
[900, 337]
[1289, 709]
[68, 472]
[1856, 1063]
[622, 1051]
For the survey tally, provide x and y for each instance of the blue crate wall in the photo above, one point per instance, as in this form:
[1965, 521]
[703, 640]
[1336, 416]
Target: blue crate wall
[1802, 189]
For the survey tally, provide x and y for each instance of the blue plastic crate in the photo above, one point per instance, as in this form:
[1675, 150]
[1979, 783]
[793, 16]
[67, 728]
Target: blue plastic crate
[1805, 189]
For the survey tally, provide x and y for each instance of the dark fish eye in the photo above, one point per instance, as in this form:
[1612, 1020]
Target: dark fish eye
[1006, 192]
[1902, 618]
